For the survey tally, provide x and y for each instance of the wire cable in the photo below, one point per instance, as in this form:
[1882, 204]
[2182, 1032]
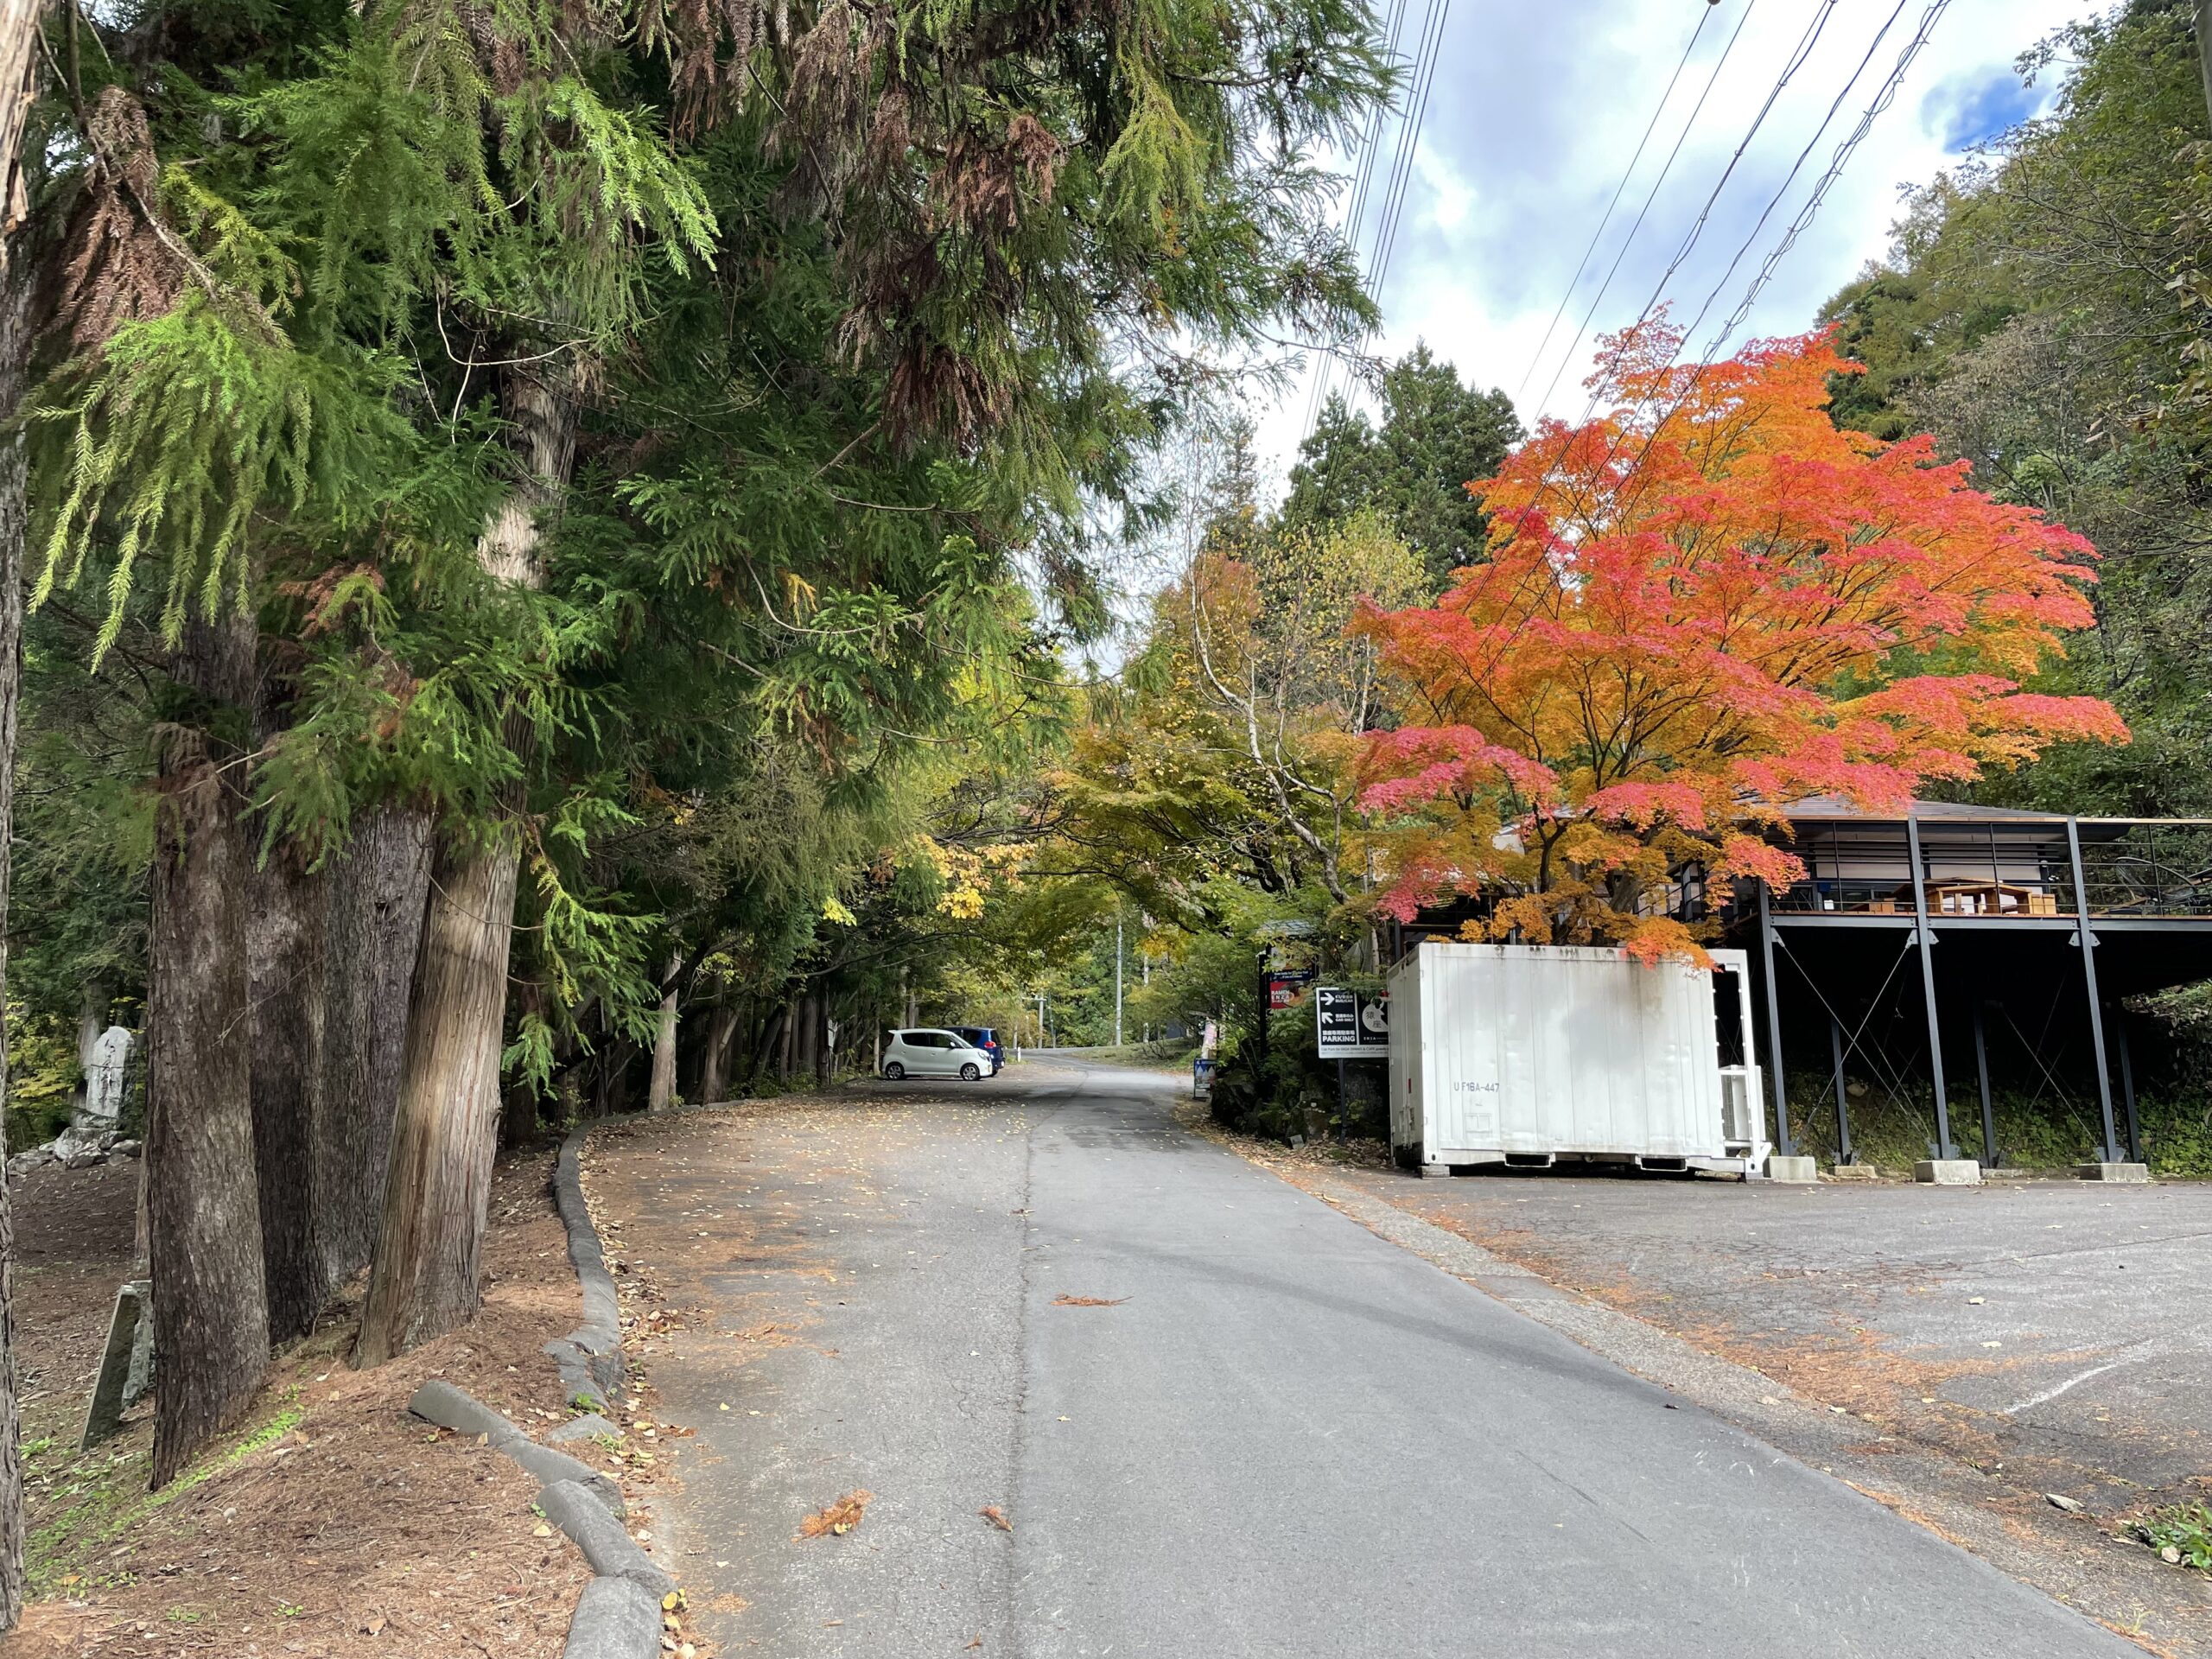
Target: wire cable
[1883, 99]
[1798, 166]
[1377, 262]
[1409, 149]
[1651, 196]
[1356, 205]
[1619, 190]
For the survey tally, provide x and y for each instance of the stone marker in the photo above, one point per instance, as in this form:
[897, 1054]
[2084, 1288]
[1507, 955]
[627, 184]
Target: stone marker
[1792, 1172]
[1947, 1171]
[126, 1365]
[2137, 1174]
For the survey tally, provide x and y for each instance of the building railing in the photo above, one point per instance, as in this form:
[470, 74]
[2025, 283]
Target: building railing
[2003, 869]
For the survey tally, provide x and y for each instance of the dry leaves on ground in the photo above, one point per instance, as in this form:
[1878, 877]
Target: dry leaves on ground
[1088, 1301]
[839, 1518]
[996, 1516]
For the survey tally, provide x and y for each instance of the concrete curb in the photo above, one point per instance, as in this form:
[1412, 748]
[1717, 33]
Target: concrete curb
[618, 1615]
[589, 1356]
[616, 1618]
[450, 1407]
[613, 1553]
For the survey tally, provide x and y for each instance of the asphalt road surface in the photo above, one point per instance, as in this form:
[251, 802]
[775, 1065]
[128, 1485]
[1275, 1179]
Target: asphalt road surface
[1284, 1435]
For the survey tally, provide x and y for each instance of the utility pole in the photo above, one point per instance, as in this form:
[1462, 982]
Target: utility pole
[1118, 954]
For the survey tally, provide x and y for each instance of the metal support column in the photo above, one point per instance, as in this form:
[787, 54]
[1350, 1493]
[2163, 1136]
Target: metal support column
[2127, 1082]
[1783, 1143]
[1843, 1153]
[1981, 1077]
[2110, 1152]
[1925, 937]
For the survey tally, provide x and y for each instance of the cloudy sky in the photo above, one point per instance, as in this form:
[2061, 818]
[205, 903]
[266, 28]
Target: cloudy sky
[1536, 109]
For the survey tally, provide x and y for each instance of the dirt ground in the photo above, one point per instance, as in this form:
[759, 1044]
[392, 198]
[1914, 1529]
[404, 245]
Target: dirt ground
[329, 1523]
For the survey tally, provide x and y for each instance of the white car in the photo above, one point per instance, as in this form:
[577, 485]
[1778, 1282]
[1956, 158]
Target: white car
[933, 1053]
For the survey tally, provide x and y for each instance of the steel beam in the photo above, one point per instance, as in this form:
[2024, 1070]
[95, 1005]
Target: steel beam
[1843, 1153]
[2127, 1082]
[1925, 937]
[1981, 1077]
[2110, 1154]
[1783, 1142]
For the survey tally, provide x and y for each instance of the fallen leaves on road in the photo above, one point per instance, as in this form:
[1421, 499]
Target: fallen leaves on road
[839, 1518]
[1088, 1301]
[996, 1516]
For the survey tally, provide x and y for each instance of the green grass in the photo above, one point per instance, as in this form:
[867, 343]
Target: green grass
[105, 1496]
[2030, 1134]
[2181, 1535]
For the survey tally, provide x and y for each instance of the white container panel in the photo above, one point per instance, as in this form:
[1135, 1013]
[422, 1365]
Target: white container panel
[1553, 1049]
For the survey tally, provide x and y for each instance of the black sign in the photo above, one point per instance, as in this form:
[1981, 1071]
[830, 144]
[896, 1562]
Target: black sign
[1350, 1027]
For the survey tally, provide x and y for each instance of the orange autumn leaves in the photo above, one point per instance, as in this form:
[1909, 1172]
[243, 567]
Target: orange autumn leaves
[1708, 601]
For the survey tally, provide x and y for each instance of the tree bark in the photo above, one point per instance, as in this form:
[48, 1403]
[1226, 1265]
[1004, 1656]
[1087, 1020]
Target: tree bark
[662, 1089]
[284, 937]
[378, 887]
[211, 1313]
[788, 1031]
[423, 1280]
[15, 359]
[19, 20]
[714, 1072]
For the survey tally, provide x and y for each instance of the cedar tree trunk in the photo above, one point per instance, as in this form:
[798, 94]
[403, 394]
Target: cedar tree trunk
[284, 937]
[424, 1278]
[662, 1089]
[211, 1315]
[714, 1072]
[14, 354]
[377, 889]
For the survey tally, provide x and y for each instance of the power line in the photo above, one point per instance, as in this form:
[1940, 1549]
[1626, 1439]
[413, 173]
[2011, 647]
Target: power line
[1422, 77]
[1597, 235]
[1797, 59]
[1883, 99]
[1409, 147]
[1356, 206]
[1681, 138]
[1796, 167]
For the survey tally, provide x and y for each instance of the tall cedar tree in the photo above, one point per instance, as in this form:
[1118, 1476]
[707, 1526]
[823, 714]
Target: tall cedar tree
[1434, 433]
[1024, 222]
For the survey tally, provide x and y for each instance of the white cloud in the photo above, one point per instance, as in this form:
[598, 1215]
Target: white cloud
[1536, 110]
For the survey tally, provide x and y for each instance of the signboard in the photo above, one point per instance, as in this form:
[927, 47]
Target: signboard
[1351, 1026]
[1284, 984]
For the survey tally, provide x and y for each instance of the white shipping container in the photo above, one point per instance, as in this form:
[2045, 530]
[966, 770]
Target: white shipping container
[1525, 1054]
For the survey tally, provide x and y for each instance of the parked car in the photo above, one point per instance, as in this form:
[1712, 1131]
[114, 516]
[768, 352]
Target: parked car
[986, 1038]
[932, 1053]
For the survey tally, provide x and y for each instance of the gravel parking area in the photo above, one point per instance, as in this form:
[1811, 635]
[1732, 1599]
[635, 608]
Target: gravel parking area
[2059, 1330]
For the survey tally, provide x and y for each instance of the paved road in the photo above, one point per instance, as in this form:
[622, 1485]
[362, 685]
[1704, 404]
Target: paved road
[1288, 1437]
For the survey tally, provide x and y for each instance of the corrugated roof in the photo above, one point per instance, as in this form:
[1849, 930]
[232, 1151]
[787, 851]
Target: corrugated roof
[1815, 808]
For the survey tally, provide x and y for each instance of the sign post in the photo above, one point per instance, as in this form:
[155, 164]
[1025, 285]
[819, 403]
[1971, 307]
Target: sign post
[1349, 1025]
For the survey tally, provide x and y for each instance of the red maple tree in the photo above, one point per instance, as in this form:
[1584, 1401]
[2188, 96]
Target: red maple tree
[1707, 603]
